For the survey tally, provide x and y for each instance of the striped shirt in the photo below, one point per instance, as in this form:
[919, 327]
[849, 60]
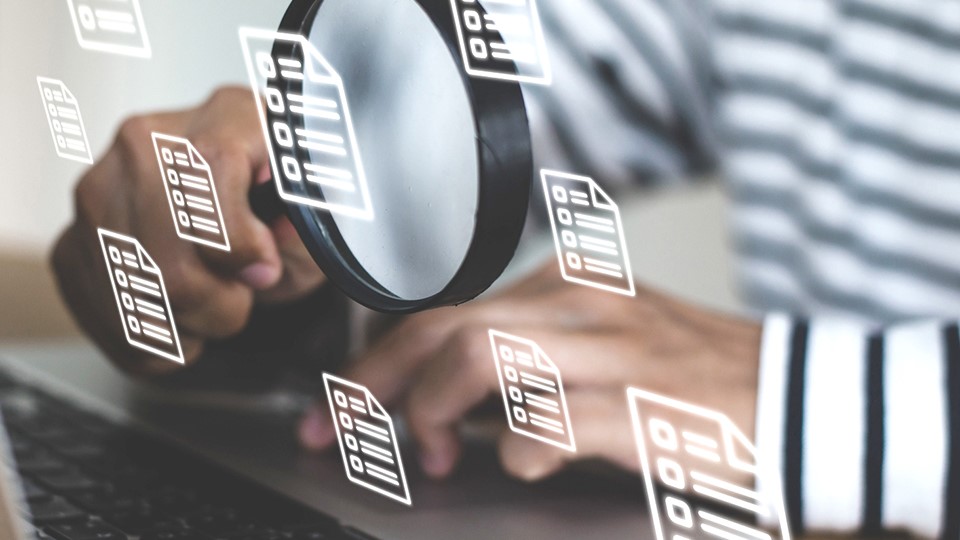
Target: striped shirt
[836, 125]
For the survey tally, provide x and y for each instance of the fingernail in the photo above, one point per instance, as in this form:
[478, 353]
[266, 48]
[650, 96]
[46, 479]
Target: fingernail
[265, 174]
[260, 275]
[315, 432]
[534, 472]
[436, 464]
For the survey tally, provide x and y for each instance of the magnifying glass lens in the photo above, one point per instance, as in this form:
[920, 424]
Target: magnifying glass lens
[414, 127]
[425, 194]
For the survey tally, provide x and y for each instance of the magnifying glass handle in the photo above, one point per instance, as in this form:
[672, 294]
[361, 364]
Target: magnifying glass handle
[266, 202]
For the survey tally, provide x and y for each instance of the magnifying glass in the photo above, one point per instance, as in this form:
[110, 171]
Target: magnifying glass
[446, 157]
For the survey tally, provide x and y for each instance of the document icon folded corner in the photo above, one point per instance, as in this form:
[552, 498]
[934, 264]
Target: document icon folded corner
[587, 232]
[66, 123]
[694, 462]
[305, 116]
[367, 439]
[141, 296]
[532, 390]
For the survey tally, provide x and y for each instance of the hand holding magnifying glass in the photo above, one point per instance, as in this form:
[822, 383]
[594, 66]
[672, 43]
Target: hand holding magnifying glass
[447, 160]
[212, 292]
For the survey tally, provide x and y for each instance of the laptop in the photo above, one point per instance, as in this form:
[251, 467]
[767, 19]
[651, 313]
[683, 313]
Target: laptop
[99, 456]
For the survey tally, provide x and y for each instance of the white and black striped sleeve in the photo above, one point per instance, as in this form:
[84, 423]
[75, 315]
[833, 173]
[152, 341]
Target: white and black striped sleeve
[864, 424]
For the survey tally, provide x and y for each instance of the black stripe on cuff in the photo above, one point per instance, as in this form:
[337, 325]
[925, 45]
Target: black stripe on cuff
[875, 437]
[951, 500]
[793, 439]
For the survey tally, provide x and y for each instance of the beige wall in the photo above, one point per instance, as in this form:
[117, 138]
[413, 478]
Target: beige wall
[195, 46]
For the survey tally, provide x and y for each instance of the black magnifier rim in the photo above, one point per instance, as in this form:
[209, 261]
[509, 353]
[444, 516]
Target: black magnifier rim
[505, 164]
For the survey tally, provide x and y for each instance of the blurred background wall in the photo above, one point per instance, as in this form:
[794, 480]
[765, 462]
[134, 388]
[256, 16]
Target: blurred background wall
[196, 49]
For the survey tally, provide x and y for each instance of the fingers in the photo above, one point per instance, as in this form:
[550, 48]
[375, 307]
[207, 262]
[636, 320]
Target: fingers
[458, 379]
[227, 134]
[254, 256]
[316, 431]
[387, 368]
[463, 373]
[78, 265]
[600, 422]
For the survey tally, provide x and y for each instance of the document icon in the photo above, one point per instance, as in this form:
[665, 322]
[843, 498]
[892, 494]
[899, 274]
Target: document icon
[307, 124]
[191, 192]
[587, 232]
[694, 463]
[66, 124]
[141, 297]
[368, 442]
[503, 39]
[114, 26]
[532, 391]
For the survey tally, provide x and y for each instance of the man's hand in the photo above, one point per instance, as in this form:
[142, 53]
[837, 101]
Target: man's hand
[211, 292]
[439, 365]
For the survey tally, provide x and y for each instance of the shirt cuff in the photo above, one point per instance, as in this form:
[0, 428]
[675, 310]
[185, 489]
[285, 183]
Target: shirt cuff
[771, 393]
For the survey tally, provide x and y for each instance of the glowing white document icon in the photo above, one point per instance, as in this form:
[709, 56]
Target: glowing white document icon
[368, 442]
[532, 391]
[307, 124]
[114, 26]
[191, 192]
[141, 296]
[66, 124]
[694, 463]
[588, 233]
[503, 39]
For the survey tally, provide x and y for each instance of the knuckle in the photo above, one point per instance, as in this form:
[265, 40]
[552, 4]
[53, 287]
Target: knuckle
[219, 152]
[88, 199]
[232, 321]
[228, 160]
[184, 288]
[419, 413]
[516, 463]
[135, 131]
[62, 257]
[225, 95]
[471, 345]
[418, 328]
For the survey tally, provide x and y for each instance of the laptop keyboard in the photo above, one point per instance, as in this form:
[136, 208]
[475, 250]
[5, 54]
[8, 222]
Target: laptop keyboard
[86, 478]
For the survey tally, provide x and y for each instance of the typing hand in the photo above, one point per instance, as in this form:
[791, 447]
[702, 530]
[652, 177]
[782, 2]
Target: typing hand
[439, 365]
[211, 292]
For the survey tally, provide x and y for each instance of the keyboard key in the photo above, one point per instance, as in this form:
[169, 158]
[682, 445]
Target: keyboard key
[174, 535]
[67, 481]
[90, 530]
[357, 535]
[34, 493]
[18, 406]
[140, 520]
[315, 533]
[21, 447]
[39, 463]
[55, 511]
[100, 501]
[87, 478]
[173, 499]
